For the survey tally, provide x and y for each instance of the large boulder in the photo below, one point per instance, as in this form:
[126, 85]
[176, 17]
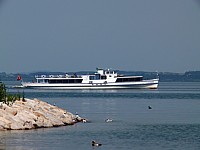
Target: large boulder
[29, 114]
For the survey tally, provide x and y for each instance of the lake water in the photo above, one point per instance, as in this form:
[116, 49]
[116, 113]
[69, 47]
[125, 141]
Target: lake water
[172, 123]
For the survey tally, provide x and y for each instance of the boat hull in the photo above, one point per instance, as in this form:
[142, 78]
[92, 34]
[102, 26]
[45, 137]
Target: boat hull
[145, 84]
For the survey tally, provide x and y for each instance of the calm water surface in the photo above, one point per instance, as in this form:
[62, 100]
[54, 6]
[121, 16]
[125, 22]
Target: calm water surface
[172, 123]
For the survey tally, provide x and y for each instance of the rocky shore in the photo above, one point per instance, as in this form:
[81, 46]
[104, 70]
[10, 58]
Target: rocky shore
[31, 114]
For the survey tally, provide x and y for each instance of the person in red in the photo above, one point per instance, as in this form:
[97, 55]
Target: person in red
[19, 77]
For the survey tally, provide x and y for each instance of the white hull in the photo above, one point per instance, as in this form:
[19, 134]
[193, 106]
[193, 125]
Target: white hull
[145, 84]
[102, 79]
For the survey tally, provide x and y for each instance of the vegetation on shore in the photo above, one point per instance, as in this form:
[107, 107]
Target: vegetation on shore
[6, 98]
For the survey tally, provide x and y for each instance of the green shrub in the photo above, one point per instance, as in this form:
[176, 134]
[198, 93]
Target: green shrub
[8, 99]
[2, 92]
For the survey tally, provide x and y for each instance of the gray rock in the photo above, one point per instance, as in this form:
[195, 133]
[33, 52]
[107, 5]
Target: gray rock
[31, 114]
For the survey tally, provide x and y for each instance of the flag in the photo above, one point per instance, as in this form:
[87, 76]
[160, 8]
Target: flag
[19, 77]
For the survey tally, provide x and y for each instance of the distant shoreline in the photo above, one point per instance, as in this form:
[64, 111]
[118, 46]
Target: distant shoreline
[189, 76]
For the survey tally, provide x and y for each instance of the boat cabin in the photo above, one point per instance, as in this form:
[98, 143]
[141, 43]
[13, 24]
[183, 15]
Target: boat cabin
[100, 77]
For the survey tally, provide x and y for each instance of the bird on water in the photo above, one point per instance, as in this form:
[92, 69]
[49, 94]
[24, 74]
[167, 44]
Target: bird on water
[108, 120]
[94, 143]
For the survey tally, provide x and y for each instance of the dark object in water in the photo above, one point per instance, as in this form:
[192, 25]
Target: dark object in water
[149, 107]
[95, 144]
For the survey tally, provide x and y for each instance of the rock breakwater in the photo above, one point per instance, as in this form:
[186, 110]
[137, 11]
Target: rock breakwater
[31, 114]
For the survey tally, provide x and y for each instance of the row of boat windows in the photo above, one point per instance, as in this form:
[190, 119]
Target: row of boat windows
[63, 81]
[129, 79]
[80, 80]
[98, 77]
[72, 80]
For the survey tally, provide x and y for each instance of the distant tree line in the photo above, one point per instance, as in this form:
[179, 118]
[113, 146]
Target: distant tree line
[189, 76]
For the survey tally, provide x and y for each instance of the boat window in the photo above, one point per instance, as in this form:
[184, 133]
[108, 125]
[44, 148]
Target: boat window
[41, 81]
[97, 76]
[103, 77]
[91, 77]
[129, 79]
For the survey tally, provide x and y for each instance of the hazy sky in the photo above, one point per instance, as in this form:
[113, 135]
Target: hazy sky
[77, 35]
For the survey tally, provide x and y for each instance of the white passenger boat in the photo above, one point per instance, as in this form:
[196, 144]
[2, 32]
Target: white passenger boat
[102, 79]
